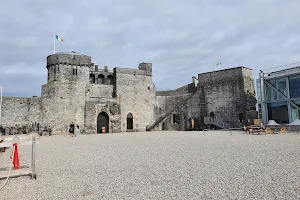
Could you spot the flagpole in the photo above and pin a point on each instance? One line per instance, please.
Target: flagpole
(54, 43)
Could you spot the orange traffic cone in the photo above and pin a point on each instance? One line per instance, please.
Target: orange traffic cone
(15, 157)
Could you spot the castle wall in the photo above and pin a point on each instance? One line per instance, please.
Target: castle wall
(136, 92)
(171, 98)
(168, 102)
(222, 93)
(248, 81)
(189, 88)
(20, 111)
(100, 90)
(78, 91)
(94, 108)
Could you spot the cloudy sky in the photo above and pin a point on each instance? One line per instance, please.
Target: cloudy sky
(180, 38)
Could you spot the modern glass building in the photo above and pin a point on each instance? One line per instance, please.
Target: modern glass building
(279, 94)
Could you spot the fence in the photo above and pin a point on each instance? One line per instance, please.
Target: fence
(25, 169)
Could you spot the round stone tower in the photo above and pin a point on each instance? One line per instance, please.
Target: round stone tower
(67, 67)
(64, 94)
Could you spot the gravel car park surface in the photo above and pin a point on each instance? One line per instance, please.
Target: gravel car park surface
(160, 165)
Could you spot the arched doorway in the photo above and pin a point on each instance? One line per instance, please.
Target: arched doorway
(129, 121)
(212, 115)
(102, 121)
(241, 117)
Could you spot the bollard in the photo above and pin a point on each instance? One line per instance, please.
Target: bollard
(33, 174)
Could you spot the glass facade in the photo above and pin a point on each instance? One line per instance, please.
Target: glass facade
(278, 112)
(294, 82)
(281, 86)
(279, 102)
(258, 97)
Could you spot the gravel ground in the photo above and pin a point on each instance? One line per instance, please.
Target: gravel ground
(161, 165)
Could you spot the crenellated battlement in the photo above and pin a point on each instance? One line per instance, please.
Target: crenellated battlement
(72, 58)
(146, 67)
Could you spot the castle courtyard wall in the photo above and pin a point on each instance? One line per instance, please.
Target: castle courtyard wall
(20, 111)
(72, 95)
(136, 92)
(221, 93)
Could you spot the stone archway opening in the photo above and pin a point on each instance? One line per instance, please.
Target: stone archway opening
(103, 123)
(212, 114)
(241, 117)
(129, 121)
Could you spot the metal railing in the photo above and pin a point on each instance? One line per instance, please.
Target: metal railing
(160, 119)
(282, 68)
(217, 122)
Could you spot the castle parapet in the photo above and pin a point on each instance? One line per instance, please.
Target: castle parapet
(146, 67)
(69, 59)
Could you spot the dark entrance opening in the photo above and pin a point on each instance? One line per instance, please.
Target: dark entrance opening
(241, 117)
(212, 115)
(102, 122)
(129, 121)
(71, 130)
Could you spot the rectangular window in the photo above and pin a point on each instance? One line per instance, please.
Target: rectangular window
(258, 95)
(281, 86)
(294, 86)
(295, 112)
(271, 94)
(278, 112)
(175, 118)
(74, 71)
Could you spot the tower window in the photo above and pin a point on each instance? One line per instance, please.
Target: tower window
(110, 79)
(92, 78)
(74, 71)
(175, 119)
(101, 79)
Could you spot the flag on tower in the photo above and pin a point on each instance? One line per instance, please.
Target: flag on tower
(218, 63)
(58, 38)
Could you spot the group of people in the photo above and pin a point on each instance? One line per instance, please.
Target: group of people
(74, 133)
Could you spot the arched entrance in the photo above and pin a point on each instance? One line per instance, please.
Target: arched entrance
(129, 121)
(212, 115)
(102, 121)
(241, 117)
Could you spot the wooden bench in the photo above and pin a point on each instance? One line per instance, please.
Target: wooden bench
(254, 129)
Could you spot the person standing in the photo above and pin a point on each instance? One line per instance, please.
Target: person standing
(71, 130)
(77, 131)
(49, 130)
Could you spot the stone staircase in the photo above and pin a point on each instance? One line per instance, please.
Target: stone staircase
(160, 119)
(219, 122)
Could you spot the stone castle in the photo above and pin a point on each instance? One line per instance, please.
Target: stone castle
(119, 100)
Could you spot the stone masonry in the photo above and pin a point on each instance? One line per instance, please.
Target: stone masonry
(122, 99)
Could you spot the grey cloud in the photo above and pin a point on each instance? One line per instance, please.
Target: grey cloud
(181, 38)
